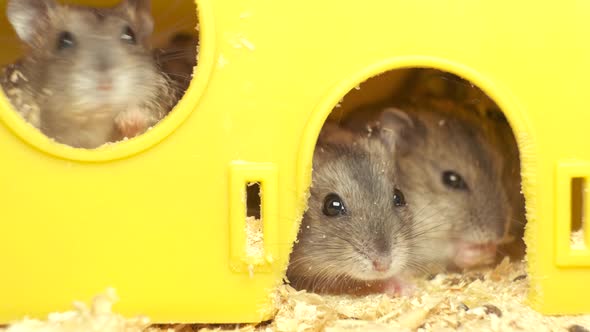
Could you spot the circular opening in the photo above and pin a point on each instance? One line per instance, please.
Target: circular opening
(102, 80)
(451, 161)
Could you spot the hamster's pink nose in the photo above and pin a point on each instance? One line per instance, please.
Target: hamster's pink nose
(381, 264)
(105, 84)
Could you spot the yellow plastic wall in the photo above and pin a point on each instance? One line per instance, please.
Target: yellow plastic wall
(159, 217)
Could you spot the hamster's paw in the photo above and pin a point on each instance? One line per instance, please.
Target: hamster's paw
(470, 255)
(132, 122)
(398, 287)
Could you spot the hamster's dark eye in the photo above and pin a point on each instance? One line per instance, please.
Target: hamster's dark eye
(65, 40)
(453, 180)
(333, 205)
(128, 35)
(398, 198)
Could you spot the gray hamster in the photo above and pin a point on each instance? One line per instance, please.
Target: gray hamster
(89, 76)
(358, 234)
(447, 91)
(449, 164)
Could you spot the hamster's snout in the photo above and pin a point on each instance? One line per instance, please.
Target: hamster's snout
(104, 83)
(380, 256)
(102, 64)
(382, 263)
(478, 237)
(478, 246)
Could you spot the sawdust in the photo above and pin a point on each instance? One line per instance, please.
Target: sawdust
(254, 242)
(484, 300)
(25, 106)
(254, 237)
(97, 317)
(577, 240)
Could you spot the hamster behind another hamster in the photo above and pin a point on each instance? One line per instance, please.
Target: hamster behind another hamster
(451, 169)
(446, 90)
(358, 233)
(89, 72)
(512, 181)
(179, 58)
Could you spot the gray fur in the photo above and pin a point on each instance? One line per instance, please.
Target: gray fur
(335, 253)
(63, 84)
(436, 142)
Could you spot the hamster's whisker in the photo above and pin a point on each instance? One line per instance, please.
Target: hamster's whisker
(518, 222)
(177, 56)
(179, 75)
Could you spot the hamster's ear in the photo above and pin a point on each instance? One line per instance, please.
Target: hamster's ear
(392, 122)
(141, 12)
(27, 17)
(334, 134)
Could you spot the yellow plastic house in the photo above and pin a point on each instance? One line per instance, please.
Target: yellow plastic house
(161, 218)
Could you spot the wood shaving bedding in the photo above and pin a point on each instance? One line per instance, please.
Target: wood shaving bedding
(97, 317)
(20, 99)
(577, 240)
(254, 237)
(484, 300)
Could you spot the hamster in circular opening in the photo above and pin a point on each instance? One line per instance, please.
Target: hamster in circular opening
(89, 76)
(358, 234)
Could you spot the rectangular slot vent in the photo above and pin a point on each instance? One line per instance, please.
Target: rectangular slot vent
(578, 195)
(254, 226)
(253, 200)
(571, 209)
(253, 217)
